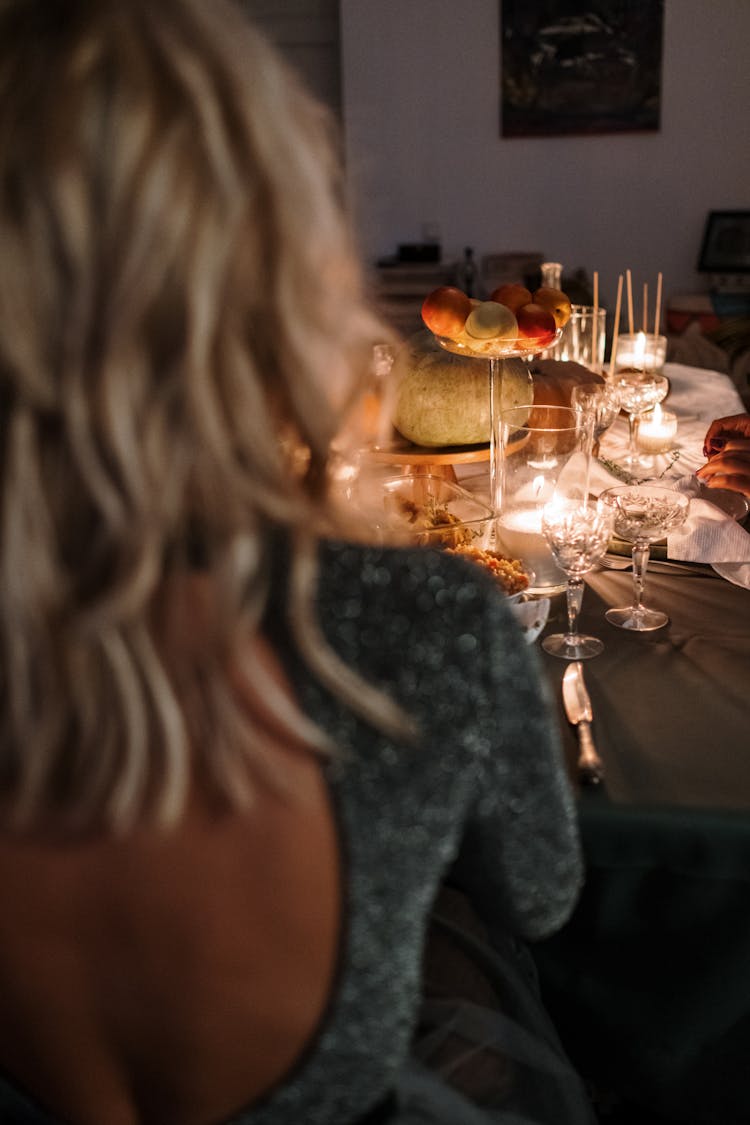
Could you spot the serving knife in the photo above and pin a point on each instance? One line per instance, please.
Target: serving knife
(578, 709)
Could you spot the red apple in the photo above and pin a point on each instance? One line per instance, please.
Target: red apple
(556, 302)
(536, 323)
(445, 310)
(513, 296)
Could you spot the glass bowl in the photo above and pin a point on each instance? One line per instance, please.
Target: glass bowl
(432, 511)
(521, 347)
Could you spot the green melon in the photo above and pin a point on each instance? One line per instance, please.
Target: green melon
(443, 399)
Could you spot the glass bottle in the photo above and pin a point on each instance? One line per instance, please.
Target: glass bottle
(467, 274)
(551, 274)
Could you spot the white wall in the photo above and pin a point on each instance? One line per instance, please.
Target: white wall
(421, 114)
(307, 33)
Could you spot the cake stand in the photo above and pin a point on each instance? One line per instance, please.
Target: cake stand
(437, 461)
(497, 353)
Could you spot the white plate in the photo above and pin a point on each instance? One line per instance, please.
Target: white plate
(733, 504)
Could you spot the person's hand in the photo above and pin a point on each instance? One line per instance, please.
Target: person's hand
(727, 447)
(730, 468)
(722, 430)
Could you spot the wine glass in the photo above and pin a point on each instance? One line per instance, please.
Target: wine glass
(578, 535)
(638, 391)
(598, 404)
(643, 514)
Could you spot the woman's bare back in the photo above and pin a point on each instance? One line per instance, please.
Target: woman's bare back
(170, 979)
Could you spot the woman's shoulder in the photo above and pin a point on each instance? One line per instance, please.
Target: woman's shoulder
(417, 615)
(425, 578)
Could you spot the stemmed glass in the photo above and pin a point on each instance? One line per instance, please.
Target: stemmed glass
(578, 535)
(598, 405)
(366, 427)
(638, 391)
(643, 514)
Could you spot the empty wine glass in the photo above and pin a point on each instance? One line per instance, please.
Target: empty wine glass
(599, 405)
(637, 392)
(578, 535)
(643, 514)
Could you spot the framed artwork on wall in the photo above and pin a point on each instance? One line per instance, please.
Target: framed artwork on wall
(726, 243)
(570, 68)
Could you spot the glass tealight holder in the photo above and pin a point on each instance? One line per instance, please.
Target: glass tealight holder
(583, 338)
(640, 351)
(656, 431)
(541, 460)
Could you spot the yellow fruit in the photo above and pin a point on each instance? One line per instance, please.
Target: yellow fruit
(556, 302)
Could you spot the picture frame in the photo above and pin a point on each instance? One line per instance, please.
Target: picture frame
(571, 68)
(726, 243)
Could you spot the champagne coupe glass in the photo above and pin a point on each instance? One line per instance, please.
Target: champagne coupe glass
(599, 405)
(638, 391)
(643, 514)
(578, 535)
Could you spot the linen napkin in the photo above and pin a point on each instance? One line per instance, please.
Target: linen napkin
(710, 535)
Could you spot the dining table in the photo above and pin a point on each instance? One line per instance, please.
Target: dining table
(649, 981)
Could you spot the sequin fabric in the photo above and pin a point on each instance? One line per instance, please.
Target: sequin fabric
(485, 780)
(485, 776)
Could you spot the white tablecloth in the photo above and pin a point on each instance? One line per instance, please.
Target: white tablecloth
(696, 396)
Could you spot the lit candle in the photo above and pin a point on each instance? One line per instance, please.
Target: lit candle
(641, 352)
(520, 535)
(656, 430)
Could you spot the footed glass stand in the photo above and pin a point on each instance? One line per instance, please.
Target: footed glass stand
(499, 353)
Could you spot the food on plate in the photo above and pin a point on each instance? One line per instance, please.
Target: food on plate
(507, 571)
(554, 301)
(441, 399)
(443, 528)
(536, 323)
(513, 295)
(445, 310)
(489, 320)
(511, 312)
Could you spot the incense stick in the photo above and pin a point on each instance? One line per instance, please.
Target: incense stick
(595, 326)
(645, 307)
(630, 301)
(657, 314)
(616, 329)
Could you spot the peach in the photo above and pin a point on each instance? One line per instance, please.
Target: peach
(445, 310)
(513, 296)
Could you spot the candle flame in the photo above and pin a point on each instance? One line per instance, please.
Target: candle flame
(656, 414)
(537, 485)
(639, 350)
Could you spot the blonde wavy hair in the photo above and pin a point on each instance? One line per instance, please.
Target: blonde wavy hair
(180, 307)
